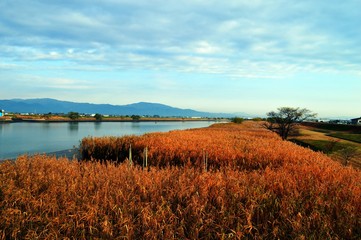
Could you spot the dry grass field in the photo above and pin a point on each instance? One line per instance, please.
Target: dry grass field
(227, 181)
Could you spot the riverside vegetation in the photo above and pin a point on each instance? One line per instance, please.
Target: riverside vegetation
(228, 181)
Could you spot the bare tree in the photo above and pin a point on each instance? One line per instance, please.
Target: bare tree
(285, 119)
(347, 154)
(330, 146)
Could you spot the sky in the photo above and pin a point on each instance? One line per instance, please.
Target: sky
(218, 56)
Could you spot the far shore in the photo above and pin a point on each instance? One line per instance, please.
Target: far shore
(63, 120)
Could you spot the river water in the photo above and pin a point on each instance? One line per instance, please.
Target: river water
(30, 138)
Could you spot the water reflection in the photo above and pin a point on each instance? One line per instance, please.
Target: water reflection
(97, 125)
(135, 125)
(73, 126)
(45, 125)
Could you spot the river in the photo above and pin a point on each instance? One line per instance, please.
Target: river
(30, 138)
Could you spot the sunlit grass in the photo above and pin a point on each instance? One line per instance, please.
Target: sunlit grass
(267, 189)
(347, 136)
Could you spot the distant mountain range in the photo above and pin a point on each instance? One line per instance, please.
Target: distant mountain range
(46, 105)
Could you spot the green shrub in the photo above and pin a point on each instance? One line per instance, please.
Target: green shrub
(237, 120)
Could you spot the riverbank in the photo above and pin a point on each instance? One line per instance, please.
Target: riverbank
(68, 153)
(341, 142)
(62, 120)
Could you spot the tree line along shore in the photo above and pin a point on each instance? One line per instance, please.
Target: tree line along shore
(76, 117)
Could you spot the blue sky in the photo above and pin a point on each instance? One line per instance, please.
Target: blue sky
(218, 56)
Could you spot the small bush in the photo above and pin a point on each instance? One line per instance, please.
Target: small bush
(237, 120)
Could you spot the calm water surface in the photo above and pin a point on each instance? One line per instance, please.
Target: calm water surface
(20, 138)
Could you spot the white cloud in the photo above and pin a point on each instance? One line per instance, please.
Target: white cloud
(10, 66)
(204, 47)
(45, 82)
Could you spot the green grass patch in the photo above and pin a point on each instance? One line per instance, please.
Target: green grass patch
(334, 127)
(347, 136)
(321, 145)
(321, 130)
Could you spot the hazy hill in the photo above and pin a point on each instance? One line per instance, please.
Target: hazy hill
(46, 105)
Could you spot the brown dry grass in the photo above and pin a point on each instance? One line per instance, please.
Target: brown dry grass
(305, 196)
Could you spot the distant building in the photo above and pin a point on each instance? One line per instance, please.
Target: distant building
(356, 120)
(2, 113)
(342, 121)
